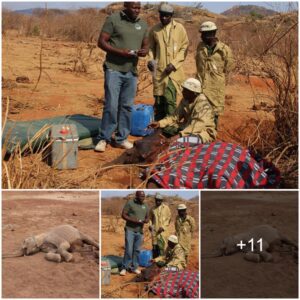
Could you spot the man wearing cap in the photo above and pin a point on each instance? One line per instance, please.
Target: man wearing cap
(214, 60)
(193, 117)
(160, 219)
(136, 214)
(124, 38)
(168, 44)
(185, 227)
(175, 255)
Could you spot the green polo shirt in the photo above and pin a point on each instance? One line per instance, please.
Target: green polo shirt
(138, 211)
(124, 34)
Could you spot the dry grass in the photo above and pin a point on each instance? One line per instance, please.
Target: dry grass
(81, 25)
(269, 49)
(18, 175)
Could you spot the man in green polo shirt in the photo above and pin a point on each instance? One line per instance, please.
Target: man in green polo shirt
(124, 38)
(136, 214)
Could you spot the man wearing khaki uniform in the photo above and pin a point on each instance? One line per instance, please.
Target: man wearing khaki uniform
(185, 227)
(168, 44)
(175, 255)
(160, 218)
(193, 117)
(214, 60)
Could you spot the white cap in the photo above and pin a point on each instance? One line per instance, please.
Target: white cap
(159, 196)
(173, 238)
(166, 8)
(181, 206)
(193, 85)
(208, 26)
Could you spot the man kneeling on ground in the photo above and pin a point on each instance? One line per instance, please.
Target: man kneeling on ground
(193, 117)
(175, 255)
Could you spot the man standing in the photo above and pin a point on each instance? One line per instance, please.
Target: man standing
(168, 43)
(185, 227)
(124, 39)
(136, 214)
(160, 217)
(193, 117)
(174, 257)
(214, 61)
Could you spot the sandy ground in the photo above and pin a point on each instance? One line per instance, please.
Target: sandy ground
(112, 243)
(225, 214)
(63, 90)
(27, 213)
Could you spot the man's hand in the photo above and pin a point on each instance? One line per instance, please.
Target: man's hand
(142, 52)
(174, 138)
(151, 65)
(129, 53)
(169, 69)
(153, 125)
(161, 264)
(160, 230)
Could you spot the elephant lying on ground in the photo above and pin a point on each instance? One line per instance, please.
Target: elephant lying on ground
(268, 237)
(56, 243)
(185, 164)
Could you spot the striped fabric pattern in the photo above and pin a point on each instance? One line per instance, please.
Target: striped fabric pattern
(217, 165)
(182, 284)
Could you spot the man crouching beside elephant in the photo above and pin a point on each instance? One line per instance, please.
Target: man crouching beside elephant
(175, 256)
(193, 117)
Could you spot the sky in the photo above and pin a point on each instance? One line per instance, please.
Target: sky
(185, 194)
(216, 6)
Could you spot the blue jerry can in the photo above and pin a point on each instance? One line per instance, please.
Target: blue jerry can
(141, 116)
(145, 257)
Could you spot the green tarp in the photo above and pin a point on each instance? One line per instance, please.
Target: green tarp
(21, 132)
(114, 261)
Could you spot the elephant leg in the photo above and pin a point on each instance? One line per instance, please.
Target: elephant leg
(250, 256)
(262, 251)
(51, 256)
(63, 251)
(266, 256)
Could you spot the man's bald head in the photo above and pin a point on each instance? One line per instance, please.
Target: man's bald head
(132, 9)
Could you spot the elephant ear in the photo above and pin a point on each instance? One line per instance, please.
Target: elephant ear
(29, 246)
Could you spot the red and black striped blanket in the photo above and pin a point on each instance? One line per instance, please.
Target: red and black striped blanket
(181, 284)
(217, 165)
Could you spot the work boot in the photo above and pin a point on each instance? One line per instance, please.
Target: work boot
(100, 147)
(124, 145)
(123, 272)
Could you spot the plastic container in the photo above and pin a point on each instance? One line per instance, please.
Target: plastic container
(145, 257)
(141, 116)
(64, 148)
(105, 273)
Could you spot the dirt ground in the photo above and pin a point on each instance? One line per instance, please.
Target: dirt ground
(225, 214)
(28, 213)
(64, 89)
(112, 243)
